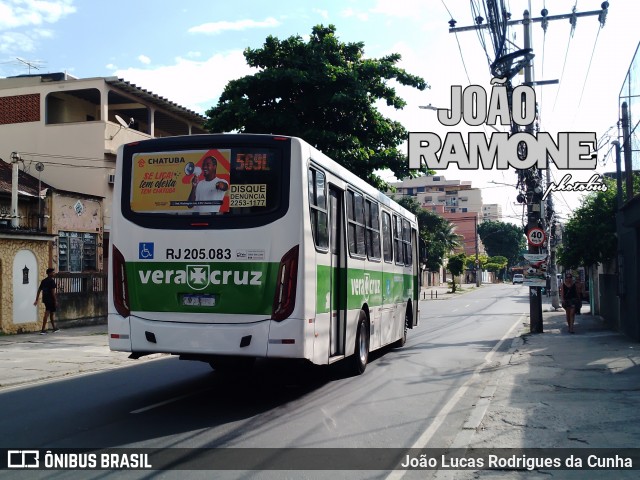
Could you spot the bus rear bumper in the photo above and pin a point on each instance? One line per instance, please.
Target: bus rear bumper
(265, 338)
(119, 333)
(197, 338)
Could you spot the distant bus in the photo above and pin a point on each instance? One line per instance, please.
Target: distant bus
(231, 247)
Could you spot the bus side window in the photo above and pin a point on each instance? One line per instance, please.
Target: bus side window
(387, 245)
(318, 208)
(406, 241)
(372, 224)
(355, 228)
(397, 240)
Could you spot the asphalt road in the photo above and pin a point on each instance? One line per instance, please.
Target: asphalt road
(416, 396)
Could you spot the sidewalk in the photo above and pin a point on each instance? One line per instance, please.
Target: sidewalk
(558, 390)
(443, 291)
(31, 357)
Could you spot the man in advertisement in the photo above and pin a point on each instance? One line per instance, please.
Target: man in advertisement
(210, 190)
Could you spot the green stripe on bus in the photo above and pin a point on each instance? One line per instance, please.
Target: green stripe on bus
(236, 287)
(362, 286)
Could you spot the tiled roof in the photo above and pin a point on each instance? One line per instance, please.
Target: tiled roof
(156, 99)
(26, 183)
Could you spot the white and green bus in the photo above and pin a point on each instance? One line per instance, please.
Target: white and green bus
(230, 247)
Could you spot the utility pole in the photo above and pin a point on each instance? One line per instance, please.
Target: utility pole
(531, 178)
(626, 147)
(478, 271)
(534, 198)
(15, 159)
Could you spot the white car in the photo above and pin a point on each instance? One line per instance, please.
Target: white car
(518, 278)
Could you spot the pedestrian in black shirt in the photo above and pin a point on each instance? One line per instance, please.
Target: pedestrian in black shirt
(48, 288)
(569, 295)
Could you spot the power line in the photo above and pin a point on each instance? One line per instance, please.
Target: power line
(458, 42)
(586, 77)
(66, 157)
(110, 165)
(573, 21)
(60, 164)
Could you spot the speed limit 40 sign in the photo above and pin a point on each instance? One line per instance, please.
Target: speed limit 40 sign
(536, 237)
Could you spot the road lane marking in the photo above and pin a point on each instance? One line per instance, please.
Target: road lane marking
(166, 402)
(439, 419)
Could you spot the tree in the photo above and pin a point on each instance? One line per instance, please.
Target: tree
(502, 239)
(496, 264)
(437, 234)
(325, 92)
(589, 237)
(456, 266)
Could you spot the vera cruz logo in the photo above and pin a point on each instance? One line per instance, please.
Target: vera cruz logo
(198, 276)
(240, 287)
(365, 286)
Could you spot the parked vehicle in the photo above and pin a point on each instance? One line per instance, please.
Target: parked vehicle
(518, 278)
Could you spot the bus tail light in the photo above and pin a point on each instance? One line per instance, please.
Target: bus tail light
(285, 297)
(120, 286)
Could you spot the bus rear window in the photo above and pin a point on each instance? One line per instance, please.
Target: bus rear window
(233, 181)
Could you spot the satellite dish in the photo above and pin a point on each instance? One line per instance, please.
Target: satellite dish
(121, 121)
(39, 166)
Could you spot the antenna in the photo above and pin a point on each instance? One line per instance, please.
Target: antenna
(30, 64)
(123, 124)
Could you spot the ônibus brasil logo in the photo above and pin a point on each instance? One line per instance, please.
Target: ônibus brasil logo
(199, 277)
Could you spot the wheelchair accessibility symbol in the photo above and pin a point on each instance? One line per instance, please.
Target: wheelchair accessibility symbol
(145, 250)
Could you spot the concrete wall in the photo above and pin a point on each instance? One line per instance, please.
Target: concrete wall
(9, 247)
(608, 285)
(76, 307)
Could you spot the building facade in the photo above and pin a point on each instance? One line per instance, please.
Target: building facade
(59, 137)
(455, 200)
(72, 128)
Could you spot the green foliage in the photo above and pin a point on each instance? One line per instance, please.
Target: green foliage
(496, 264)
(324, 91)
(437, 237)
(471, 261)
(502, 239)
(499, 260)
(456, 265)
(493, 267)
(589, 237)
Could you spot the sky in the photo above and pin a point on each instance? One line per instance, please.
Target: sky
(187, 51)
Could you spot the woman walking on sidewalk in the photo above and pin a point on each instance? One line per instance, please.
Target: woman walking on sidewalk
(569, 295)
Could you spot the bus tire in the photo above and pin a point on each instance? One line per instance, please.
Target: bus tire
(357, 363)
(407, 319)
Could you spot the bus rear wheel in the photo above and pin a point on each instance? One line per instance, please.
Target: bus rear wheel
(407, 318)
(357, 363)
